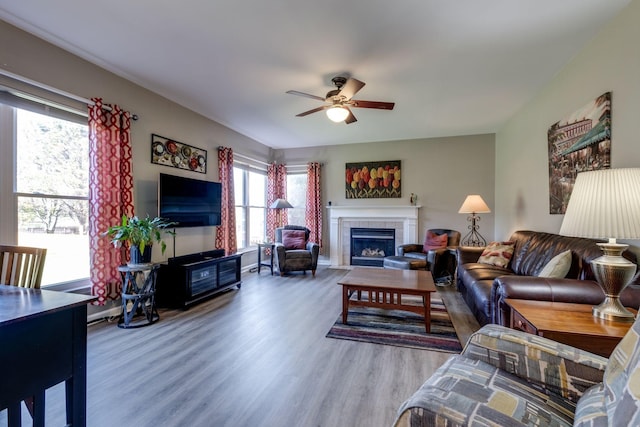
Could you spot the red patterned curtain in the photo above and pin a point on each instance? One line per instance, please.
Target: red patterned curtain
(110, 194)
(276, 189)
(226, 232)
(313, 218)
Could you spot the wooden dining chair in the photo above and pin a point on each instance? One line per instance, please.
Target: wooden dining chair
(21, 266)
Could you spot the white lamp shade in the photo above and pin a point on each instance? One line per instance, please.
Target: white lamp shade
(604, 204)
(280, 204)
(337, 114)
(474, 204)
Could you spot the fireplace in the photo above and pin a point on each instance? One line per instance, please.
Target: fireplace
(369, 246)
(403, 219)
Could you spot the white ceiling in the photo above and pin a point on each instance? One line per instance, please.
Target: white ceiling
(453, 67)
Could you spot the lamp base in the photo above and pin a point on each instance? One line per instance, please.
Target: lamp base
(613, 272)
(612, 309)
(473, 238)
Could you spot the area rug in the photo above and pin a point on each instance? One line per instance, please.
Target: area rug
(399, 328)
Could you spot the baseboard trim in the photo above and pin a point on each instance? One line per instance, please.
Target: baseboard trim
(111, 312)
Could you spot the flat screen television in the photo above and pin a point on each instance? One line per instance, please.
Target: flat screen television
(189, 202)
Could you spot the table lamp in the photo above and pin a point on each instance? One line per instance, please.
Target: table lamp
(473, 205)
(605, 204)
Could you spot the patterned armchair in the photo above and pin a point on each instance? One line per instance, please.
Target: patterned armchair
(505, 378)
(294, 252)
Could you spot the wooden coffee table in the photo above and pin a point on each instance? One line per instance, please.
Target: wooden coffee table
(385, 289)
(568, 323)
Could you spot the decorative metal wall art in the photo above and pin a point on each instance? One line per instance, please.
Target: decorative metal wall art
(369, 180)
(169, 152)
(579, 142)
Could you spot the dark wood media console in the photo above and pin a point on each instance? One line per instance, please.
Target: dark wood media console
(188, 279)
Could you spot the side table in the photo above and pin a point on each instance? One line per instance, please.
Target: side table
(261, 263)
(138, 295)
(568, 323)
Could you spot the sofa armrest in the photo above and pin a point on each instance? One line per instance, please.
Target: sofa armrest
(540, 289)
(468, 254)
(412, 247)
(554, 367)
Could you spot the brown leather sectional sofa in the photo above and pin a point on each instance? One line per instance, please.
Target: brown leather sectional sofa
(485, 287)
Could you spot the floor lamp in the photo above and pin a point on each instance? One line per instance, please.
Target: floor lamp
(473, 205)
(605, 204)
(279, 205)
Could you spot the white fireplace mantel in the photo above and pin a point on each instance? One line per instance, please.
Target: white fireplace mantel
(402, 218)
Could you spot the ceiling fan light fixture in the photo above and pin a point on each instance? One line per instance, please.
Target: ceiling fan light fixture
(337, 113)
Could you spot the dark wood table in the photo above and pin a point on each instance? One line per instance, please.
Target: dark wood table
(44, 342)
(385, 289)
(568, 323)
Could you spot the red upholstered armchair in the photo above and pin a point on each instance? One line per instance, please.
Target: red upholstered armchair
(294, 252)
(435, 250)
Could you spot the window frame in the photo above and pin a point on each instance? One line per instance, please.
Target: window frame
(303, 208)
(245, 203)
(10, 103)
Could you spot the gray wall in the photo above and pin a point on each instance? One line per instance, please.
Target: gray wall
(609, 62)
(440, 171)
(30, 57)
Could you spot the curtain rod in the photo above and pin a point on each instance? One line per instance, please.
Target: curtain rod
(263, 162)
(55, 90)
(250, 158)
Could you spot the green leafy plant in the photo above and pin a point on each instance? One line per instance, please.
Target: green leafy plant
(140, 232)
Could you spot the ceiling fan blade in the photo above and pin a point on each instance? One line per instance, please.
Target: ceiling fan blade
(350, 118)
(372, 104)
(350, 88)
(315, 110)
(307, 95)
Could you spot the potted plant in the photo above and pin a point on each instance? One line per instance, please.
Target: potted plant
(139, 233)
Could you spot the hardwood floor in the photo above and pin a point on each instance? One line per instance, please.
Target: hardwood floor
(251, 357)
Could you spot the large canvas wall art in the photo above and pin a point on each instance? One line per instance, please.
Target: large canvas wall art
(579, 142)
(369, 180)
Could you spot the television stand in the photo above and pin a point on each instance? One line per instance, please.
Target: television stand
(189, 279)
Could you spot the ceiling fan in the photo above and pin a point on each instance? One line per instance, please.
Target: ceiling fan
(339, 100)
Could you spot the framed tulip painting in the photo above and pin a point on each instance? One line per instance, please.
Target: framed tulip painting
(370, 180)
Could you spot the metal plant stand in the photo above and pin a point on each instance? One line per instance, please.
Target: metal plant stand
(138, 295)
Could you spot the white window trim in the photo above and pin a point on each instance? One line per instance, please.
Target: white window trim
(9, 211)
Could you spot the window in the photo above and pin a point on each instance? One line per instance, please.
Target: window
(49, 183)
(297, 196)
(250, 189)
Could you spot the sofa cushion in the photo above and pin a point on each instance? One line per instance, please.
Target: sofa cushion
(293, 239)
(435, 241)
(591, 410)
(622, 380)
(535, 249)
(558, 266)
(497, 253)
(464, 391)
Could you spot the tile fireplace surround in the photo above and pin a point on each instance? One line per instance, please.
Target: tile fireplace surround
(404, 219)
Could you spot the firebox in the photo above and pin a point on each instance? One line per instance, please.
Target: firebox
(369, 246)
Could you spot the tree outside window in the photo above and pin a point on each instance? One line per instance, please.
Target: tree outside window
(52, 188)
